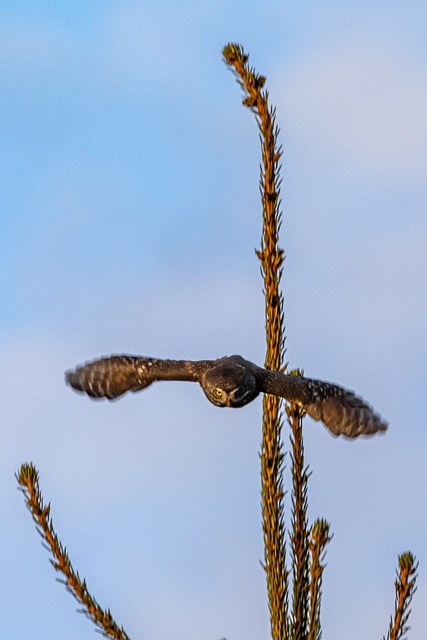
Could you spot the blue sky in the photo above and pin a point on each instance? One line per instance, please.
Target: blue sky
(128, 221)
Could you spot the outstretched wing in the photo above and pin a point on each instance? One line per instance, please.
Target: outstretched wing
(111, 377)
(343, 412)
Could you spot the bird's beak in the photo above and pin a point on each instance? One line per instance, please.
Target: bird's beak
(228, 402)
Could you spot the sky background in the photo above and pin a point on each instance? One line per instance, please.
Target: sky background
(129, 216)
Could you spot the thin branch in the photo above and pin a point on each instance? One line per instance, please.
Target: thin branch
(271, 257)
(28, 479)
(319, 539)
(300, 532)
(405, 588)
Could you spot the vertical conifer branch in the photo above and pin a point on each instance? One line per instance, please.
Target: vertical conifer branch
(299, 533)
(28, 479)
(271, 257)
(319, 539)
(405, 588)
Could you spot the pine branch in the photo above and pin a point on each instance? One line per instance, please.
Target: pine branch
(405, 588)
(271, 257)
(300, 533)
(319, 539)
(28, 479)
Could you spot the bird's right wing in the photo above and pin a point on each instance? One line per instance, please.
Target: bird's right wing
(113, 376)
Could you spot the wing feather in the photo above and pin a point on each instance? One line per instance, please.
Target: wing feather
(341, 411)
(113, 376)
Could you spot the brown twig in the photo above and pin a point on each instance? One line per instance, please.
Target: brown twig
(319, 539)
(28, 479)
(405, 589)
(300, 533)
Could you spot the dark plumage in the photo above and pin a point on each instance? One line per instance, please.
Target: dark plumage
(232, 382)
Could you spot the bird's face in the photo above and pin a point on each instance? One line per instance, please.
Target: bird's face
(229, 385)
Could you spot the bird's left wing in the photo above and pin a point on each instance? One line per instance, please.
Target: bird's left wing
(340, 410)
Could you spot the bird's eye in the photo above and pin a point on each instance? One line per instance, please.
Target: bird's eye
(218, 393)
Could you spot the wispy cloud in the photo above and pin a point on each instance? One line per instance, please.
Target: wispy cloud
(368, 104)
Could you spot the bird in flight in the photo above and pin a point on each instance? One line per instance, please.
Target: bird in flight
(231, 381)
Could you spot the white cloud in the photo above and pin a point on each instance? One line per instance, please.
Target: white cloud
(369, 105)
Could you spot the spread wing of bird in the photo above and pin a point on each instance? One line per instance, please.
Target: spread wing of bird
(340, 410)
(113, 376)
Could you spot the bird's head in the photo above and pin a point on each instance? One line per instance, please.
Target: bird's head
(229, 385)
